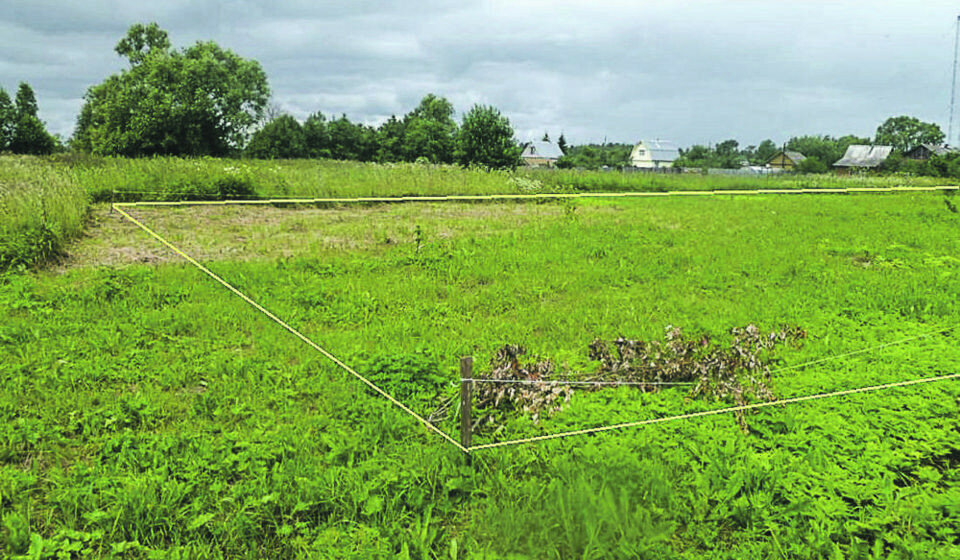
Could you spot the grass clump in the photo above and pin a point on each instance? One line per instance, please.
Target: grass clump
(41, 208)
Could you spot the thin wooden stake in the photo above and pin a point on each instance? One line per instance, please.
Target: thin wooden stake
(466, 398)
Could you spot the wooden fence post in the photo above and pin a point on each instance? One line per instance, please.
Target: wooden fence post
(466, 398)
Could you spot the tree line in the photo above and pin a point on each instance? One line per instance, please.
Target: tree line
(428, 134)
(204, 100)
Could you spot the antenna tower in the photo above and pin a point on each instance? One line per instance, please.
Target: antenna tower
(953, 88)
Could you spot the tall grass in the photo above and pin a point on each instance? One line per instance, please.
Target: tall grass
(166, 178)
(551, 179)
(41, 207)
(44, 199)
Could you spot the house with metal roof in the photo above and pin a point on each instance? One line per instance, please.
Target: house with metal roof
(785, 160)
(861, 156)
(926, 151)
(654, 154)
(540, 154)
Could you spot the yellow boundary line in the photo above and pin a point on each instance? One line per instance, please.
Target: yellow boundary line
(468, 198)
(292, 330)
(118, 206)
(713, 412)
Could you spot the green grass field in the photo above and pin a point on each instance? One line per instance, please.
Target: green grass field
(43, 200)
(147, 412)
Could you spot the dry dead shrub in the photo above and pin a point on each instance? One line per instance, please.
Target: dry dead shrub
(531, 398)
(739, 372)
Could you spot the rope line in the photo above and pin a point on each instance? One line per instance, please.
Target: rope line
(778, 370)
(713, 412)
(293, 331)
(430, 198)
(562, 382)
(118, 206)
(864, 350)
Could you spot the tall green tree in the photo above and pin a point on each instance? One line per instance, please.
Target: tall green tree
(390, 140)
(765, 150)
(26, 101)
(905, 133)
(29, 136)
(200, 100)
(728, 154)
(430, 131)
(486, 138)
(8, 120)
(281, 138)
(352, 141)
(562, 144)
(316, 136)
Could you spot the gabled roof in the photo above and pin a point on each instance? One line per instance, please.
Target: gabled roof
(795, 157)
(546, 150)
(660, 150)
(939, 149)
(860, 155)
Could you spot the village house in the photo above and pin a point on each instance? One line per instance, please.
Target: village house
(860, 156)
(540, 154)
(785, 160)
(925, 151)
(654, 154)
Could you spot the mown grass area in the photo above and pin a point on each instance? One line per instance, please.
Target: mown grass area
(147, 412)
(67, 182)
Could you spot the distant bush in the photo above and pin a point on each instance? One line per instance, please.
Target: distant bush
(915, 167)
(812, 165)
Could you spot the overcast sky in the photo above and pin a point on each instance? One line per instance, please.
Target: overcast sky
(688, 71)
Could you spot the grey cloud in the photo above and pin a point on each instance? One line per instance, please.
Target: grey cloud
(692, 71)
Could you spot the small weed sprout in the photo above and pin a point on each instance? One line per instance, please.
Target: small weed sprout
(418, 238)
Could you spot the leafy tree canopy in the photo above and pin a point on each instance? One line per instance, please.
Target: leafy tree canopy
(812, 164)
(31, 137)
(766, 150)
(200, 100)
(594, 156)
(430, 131)
(390, 137)
(726, 155)
(21, 130)
(141, 41)
(352, 141)
(26, 101)
(905, 133)
(316, 136)
(8, 120)
(825, 148)
(486, 138)
(281, 138)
